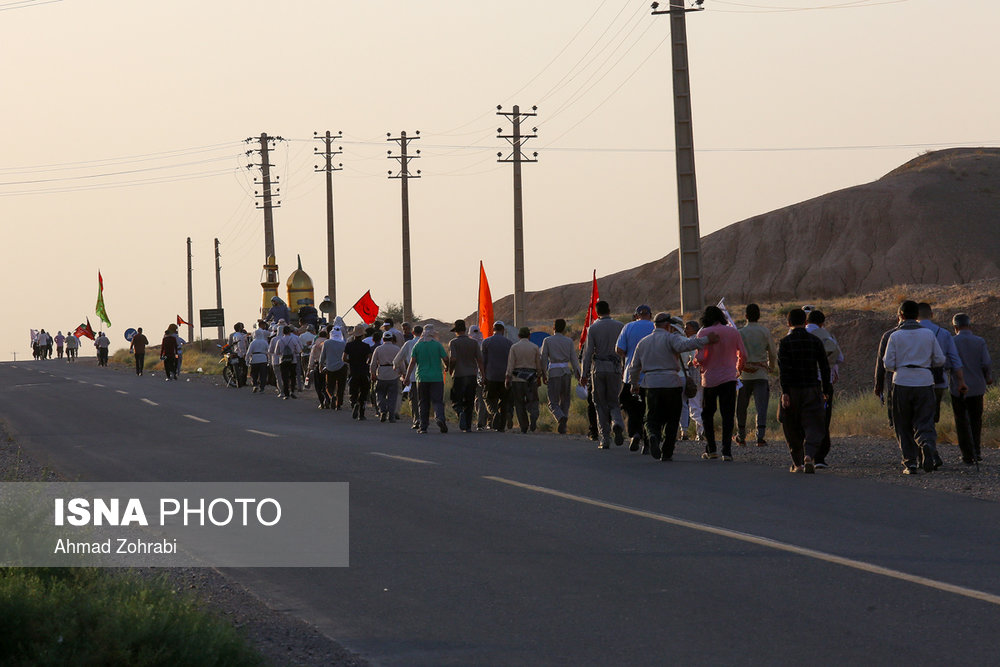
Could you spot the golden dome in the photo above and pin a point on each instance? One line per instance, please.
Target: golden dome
(300, 288)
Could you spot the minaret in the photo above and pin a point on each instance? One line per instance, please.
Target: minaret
(269, 284)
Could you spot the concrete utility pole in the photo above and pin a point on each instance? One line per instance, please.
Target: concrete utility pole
(190, 313)
(517, 157)
(689, 250)
(328, 153)
(218, 288)
(404, 175)
(269, 284)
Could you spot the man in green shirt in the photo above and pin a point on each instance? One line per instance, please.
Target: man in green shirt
(429, 360)
(761, 357)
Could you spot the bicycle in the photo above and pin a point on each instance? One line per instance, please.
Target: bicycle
(234, 372)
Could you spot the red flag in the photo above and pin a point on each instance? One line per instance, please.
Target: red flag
(366, 308)
(84, 331)
(591, 311)
(180, 321)
(485, 303)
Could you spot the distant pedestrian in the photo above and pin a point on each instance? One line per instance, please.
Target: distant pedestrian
(289, 349)
(60, 340)
(257, 359)
(385, 377)
(465, 364)
(400, 364)
(482, 414)
(524, 373)
(332, 362)
(657, 365)
(427, 364)
(602, 370)
(138, 347)
(720, 367)
(317, 378)
(279, 312)
(816, 325)
(358, 355)
(168, 352)
(72, 345)
(804, 374)
(911, 352)
(102, 343)
(634, 403)
(761, 360)
(977, 374)
(496, 351)
(561, 368)
(691, 410)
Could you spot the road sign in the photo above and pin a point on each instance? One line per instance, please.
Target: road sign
(212, 317)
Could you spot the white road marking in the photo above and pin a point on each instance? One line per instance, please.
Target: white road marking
(763, 541)
(99, 385)
(197, 419)
(270, 435)
(404, 458)
(122, 392)
(148, 402)
(83, 382)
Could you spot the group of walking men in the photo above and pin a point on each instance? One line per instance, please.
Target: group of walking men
(918, 362)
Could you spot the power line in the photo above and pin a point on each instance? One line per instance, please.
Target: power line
(125, 159)
(26, 4)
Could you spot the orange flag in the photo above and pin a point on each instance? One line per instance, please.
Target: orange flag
(485, 303)
(591, 311)
(180, 321)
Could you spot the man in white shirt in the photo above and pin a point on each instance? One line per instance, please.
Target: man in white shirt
(910, 354)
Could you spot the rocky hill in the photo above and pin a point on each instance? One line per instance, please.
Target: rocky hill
(931, 221)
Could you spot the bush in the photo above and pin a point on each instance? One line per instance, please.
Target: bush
(86, 616)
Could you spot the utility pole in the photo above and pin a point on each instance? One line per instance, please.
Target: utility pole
(328, 153)
(190, 313)
(269, 284)
(689, 248)
(517, 158)
(404, 176)
(218, 288)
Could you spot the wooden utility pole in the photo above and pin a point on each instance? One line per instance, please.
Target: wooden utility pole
(329, 168)
(190, 313)
(689, 249)
(404, 176)
(218, 288)
(269, 284)
(517, 158)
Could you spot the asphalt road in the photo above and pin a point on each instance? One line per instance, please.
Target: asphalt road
(509, 549)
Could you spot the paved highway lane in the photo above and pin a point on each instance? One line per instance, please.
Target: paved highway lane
(492, 549)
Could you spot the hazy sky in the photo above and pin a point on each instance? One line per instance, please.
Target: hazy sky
(124, 124)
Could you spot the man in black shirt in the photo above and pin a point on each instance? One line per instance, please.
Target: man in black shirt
(804, 374)
(358, 355)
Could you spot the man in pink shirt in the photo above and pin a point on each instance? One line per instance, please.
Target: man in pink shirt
(720, 367)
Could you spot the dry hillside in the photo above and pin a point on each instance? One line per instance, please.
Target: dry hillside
(931, 221)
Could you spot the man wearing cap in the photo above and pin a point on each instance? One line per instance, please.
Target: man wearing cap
(496, 350)
(561, 366)
(400, 363)
(602, 370)
(387, 325)
(465, 361)
(385, 377)
(977, 374)
(633, 403)
(657, 366)
(524, 369)
(427, 363)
